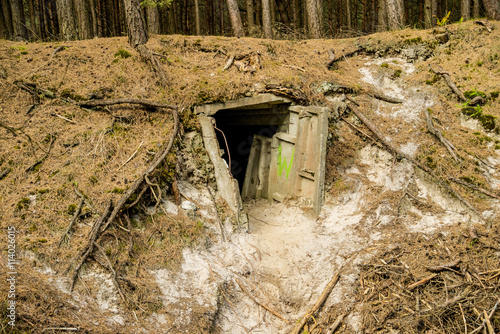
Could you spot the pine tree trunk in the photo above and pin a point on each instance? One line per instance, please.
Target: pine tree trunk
(197, 17)
(465, 9)
(266, 19)
(492, 8)
(83, 19)
(234, 15)
(153, 19)
(428, 14)
(18, 21)
(66, 18)
(348, 16)
(382, 15)
(250, 13)
(282, 8)
(33, 26)
(313, 19)
(7, 18)
(395, 14)
(137, 34)
(475, 9)
(258, 13)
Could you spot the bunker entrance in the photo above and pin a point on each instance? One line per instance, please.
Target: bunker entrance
(264, 146)
(236, 129)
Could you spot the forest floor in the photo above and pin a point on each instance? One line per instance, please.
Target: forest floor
(385, 225)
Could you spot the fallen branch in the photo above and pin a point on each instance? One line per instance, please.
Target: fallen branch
(5, 172)
(485, 24)
(295, 68)
(474, 187)
(346, 55)
(58, 49)
(317, 305)
(421, 282)
(385, 98)
(8, 128)
(336, 324)
(439, 70)
(73, 220)
(443, 267)
(399, 153)
(62, 117)
(32, 167)
(439, 136)
(260, 303)
(484, 321)
(133, 155)
(331, 55)
(145, 103)
(230, 62)
(90, 245)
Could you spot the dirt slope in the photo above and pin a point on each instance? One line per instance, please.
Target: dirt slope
(52, 147)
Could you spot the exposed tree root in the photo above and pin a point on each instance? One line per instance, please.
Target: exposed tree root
(154, 62)
(87, 251)
(474, 187)
(385, 98)
(8, 128)
(336, 324)
(317, 305)
(439, 70)
(260, 303)
(446, 143)
(400, 154)
(146, 103)
(73, 220)
(40, 161)
(5, 172)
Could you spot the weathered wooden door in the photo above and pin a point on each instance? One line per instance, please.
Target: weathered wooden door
(256, 182)
(298, 157)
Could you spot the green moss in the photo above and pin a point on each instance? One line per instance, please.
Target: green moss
(479, 63)
(23, 204)
(32, 228)
(42, 240)
(71, 209)
(497, 147)
(43, 191)
(470, 94)
(433, 80)
(413, 41)
(93, 180)
(397, 73)
(494, 95)
(70, 94)
(429, 161)
(117, 191)
(123, 54)
(384, 65)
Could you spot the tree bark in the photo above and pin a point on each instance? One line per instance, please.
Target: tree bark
(153, 17)
(7, 18)
(348, 15)
(18, 21)
(428, 14)
(283, 10)
(313, 19)
(94, 18)
(137, 34)
(395, 14)
(266, 19)
(234, 15)
(82, 15)
(250, 13)
(197, 17)
(475, 9)
(492, 8)
(465, 9)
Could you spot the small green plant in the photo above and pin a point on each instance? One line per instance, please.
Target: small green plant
(384, 65)
(397, 73)
(443, 21)
(123, 54)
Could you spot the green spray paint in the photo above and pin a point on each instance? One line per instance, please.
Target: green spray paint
(282, 163)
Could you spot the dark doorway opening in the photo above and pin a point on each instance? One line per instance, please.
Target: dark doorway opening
(239, 128)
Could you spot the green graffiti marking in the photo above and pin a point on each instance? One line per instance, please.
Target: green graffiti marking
(282, 163)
